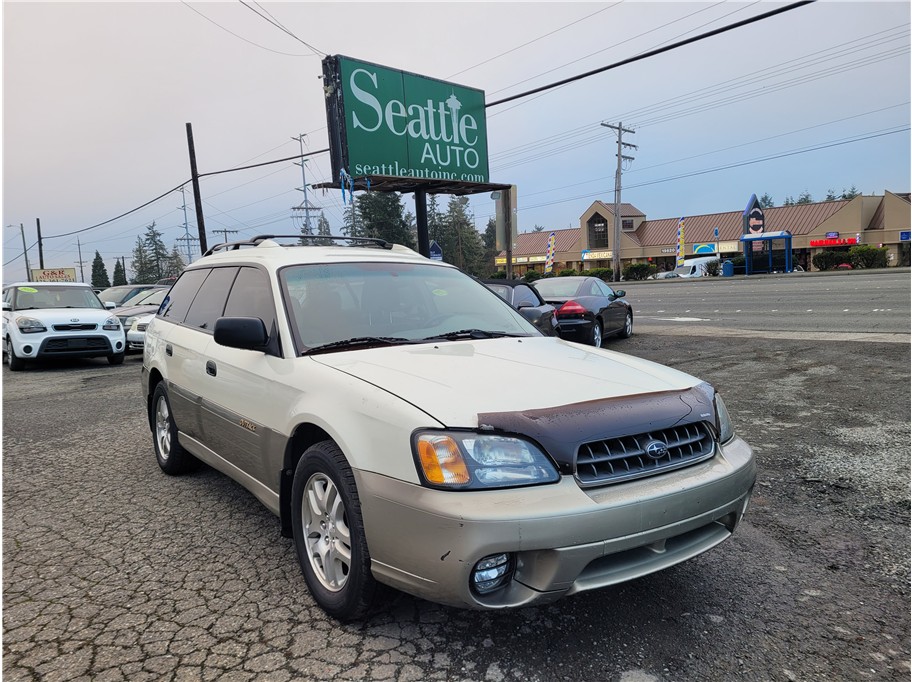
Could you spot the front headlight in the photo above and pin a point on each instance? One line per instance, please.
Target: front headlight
(112, 324)
(723, 421)
(455, 460)
(29, 325)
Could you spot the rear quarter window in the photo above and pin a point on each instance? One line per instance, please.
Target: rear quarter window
(178, 300)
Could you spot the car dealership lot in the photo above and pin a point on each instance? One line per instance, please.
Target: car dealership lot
(114, 571)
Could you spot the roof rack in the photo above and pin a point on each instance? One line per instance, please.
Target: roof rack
(256, 241)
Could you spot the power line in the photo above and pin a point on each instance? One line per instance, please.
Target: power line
(653, 53)
(497, 56)
(283, 29)
(287, 54)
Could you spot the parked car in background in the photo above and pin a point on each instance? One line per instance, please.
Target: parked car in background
(527, 301)
(409, 429)
(136, 333)
(671, 274)
(587, 308)
(148, 303)
(58, 319)
(117, 295)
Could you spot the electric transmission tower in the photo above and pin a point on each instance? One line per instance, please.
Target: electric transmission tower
(306, 206)
(189, 242)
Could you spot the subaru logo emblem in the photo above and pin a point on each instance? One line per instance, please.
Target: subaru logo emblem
(656, 449)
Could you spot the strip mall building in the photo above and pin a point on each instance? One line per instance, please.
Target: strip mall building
(874, 220)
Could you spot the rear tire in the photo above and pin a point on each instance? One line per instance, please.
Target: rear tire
(16, 364)
(595, 337)
(627, 330)
(329, 533)
(116, 359)
(171, 456)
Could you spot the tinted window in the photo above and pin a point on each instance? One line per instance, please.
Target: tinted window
(178, 300)
(250, 297)
(605, 289)
(524, 294)
(209, 304)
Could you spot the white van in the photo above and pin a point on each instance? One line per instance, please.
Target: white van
(695, 267)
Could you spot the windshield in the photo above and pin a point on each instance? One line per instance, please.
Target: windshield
(147, 297)
(118, 294)
(398, 302)
(42, 297)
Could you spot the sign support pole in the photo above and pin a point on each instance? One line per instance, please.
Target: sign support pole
(421, 224)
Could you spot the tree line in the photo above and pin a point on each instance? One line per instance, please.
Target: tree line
(151, 262)
(766, 201)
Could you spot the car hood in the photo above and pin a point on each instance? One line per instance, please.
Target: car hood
(456, 381)
(132, 311)
(65, 315)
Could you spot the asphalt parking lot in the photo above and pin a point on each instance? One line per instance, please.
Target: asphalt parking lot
(114, 571)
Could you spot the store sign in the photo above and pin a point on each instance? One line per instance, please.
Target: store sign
(905, 236)
(729, 247)
(832, 235)
(538, 259)
(669, 249)
(753, 221)
(704, 248)
(521, 259)
(834, 242)
(53, 275)
(596, 255)
(384, 121)
(500, 261)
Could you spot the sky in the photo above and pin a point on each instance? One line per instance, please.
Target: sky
(96, 98)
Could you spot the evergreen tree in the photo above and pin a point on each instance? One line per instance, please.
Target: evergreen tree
(766, 201)
(157, 252)
(805, 198)
(830, 195)
(789, 201)
(174, 265)
(538, 228)
(489, 239)
(120, 276)
(462, 241)
(323, 229)
(381, 215)
(850, 193)
(350, 222)
(99, 273)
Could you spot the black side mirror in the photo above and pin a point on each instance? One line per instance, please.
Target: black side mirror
(620, 293)
(248, 333)
(524, 304)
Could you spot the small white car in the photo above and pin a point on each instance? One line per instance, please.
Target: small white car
(136, 334)
(409, 427)
(58, 319)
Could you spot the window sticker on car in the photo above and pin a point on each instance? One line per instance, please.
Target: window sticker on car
(439, 292)
(28, 290)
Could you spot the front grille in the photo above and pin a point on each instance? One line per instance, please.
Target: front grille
(141, 327)
(72, 344)
(75, 327)
(625, 458)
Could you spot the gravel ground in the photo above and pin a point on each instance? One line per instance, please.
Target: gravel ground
(113, 571)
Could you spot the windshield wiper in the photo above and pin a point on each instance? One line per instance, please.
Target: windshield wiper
(358, 342)
(470, 334)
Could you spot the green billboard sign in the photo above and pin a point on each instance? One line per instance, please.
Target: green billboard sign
(385, 122)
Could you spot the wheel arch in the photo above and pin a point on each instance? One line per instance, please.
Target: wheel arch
(303, 436)
(155, 378)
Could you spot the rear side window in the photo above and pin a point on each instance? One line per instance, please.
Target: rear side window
(209, 304)
(251, 297)
(178, 300)
(524, 294)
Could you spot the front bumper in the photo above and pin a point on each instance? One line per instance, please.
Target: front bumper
(75, 345)
(136, 340)
(563, 539)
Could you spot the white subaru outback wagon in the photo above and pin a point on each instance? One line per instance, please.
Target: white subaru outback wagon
(409, 428)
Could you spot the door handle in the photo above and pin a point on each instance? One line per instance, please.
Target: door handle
(210, 368)
(168, 349)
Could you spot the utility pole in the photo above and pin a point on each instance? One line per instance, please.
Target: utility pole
(82, 277)
(28, 269)
(224, 232)
(306, 207)
(616, 250)
(197, 199)
(40, 247)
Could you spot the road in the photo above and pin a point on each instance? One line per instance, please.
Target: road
(114, 571)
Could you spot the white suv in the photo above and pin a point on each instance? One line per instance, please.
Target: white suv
(410, 428)
(58, 319)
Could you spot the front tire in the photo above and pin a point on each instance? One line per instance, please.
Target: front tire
(329, 533)
(116, 359)
(171, 456)
(16, 364)
(595, 336)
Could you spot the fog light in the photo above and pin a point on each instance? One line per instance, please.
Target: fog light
(491, 573)
(27, 350)
(118, 345)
